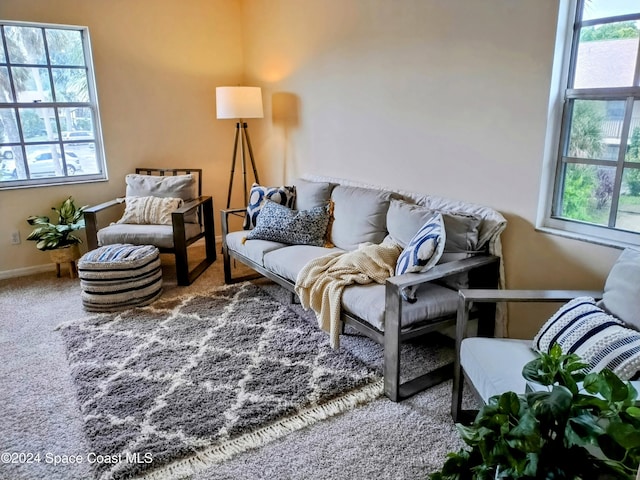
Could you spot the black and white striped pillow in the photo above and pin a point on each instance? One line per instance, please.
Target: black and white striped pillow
(601, 340)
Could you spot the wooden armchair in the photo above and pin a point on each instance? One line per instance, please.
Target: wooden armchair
(189, 223)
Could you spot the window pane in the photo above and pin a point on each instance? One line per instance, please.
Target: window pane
(32, 84)
(587, 191)
(49, 161)
(8, 126)
(5, 93)
(633, 150)
(595, 129)
(76, 122)
(65, 47)
(628, 217)
(25, 45)
(38, 124)
(608, 8)
(607, 55)
(11, 165)
(70, 84)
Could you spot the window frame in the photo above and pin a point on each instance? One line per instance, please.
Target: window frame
(559, 115)
(61, 143)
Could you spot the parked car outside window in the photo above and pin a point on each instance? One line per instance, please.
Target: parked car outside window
(41, 165)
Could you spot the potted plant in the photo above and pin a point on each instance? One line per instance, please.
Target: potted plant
(576, 426)
(59, 238)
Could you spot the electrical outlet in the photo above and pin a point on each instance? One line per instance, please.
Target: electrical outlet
(15, 237)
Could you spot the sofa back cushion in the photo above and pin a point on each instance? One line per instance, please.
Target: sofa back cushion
(359, 216)
(622, 288)
(312, 194)
(404, 219)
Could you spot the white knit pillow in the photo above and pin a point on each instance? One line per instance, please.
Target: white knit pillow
(149, 210)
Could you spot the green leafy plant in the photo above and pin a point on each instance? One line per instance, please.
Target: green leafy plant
(578, 426)
(51, 236)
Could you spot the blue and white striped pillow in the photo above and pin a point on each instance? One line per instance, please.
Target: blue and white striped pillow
(425, 248)
(601, 340)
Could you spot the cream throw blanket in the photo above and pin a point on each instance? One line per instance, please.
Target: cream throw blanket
(321, 282)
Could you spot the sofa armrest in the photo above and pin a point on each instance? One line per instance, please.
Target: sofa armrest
(224, 219)
(403, 283)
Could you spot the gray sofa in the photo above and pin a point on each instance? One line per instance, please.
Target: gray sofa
(491, 366)
(406, 306)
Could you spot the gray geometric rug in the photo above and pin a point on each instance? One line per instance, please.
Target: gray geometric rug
(184, 383)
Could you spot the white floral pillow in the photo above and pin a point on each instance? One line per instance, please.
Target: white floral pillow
(149, 210)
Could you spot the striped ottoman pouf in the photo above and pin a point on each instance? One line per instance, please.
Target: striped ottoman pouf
(119, 276)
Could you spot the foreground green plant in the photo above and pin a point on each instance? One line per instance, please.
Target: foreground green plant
(51, 236)
(579, 427)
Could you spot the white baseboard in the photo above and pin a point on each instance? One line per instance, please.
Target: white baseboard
(50, 267)
(22, 272)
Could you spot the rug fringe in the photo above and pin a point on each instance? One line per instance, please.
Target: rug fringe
(214, 455)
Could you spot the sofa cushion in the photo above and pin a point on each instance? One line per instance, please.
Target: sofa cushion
(288, 261)
(312, 194)
(149, 210)
(601, 340)
(425, 249)
(622, 288)
(160, 236)
(175, 186)
(284, 195)
(404, 219)
(297, 227)
(368, 303)
(254, 250)
(359, 216)
(494, 365)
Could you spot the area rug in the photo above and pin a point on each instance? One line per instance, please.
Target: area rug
(188, 382)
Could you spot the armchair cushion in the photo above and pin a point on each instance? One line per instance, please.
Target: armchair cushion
(581, 327)
(622, 288)
(296, 227)
(284, 195)
(159, 235)
(149, 210)
(170, 186)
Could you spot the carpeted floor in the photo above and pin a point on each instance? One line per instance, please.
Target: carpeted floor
(41, 414)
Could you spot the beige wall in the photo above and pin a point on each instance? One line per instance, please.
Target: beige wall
(445, 97)
(157, 64)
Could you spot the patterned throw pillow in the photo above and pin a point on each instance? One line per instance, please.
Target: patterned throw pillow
(425, 249)
(601, 340)
(296, 227)
(285, 195)
(149, 210)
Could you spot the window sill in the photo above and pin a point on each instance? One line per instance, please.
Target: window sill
(617, 239)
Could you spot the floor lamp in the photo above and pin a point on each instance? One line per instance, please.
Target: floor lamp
(240, 103)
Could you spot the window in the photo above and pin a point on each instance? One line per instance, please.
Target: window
(49, 122)
(592, 187)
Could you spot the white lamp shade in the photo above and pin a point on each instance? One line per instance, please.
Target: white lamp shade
(239, 102)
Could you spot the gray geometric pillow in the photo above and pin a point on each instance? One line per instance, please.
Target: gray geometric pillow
(278, 223)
